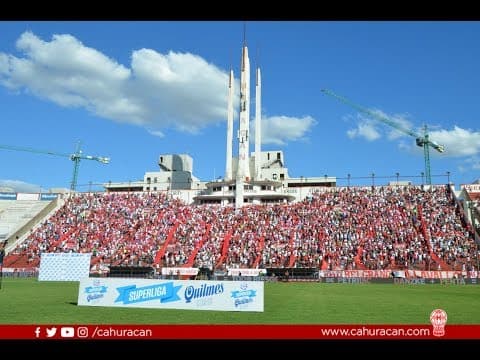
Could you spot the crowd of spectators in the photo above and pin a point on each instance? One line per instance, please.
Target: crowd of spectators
(382, 227)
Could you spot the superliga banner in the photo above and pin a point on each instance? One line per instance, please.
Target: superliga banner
(172, 294)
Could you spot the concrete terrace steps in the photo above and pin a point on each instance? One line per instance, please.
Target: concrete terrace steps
(16, 213)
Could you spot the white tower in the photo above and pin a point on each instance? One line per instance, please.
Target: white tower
(244, 127)
(243, 170)
(258, 125)
(228, 168)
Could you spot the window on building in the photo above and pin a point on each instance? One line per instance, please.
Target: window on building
(278, 156)
(274, 176)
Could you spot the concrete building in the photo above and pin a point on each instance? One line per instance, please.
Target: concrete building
(250, 178)
(176, 173)
(259, 177)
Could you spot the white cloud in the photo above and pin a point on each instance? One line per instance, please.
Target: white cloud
(458, 142)
(18, 186)
(158, 91)
(178, 90)
(157, 133)
(279, 130)
(373, 128)
(366, 129)
(401, 121)
(476, 164)
(469, 164)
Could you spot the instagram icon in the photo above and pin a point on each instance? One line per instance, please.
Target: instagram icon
(82, 332)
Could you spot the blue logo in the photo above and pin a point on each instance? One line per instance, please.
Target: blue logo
(203, 290)
(164, 292)
(96, 291)
(243, 296)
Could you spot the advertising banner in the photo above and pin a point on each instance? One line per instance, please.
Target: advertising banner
(48, 197)
(64, 266)
(371, 274)
(246, 272)
(28, 196)
(179, 271)
(8, 196)
(172, 294)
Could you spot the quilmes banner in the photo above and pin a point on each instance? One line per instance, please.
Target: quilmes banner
(172, 294)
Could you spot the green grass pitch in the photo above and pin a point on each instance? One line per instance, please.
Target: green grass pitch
(29, 301)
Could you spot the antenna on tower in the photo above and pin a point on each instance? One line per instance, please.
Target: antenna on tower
(258, 57)
(257, 65)
(244, 33)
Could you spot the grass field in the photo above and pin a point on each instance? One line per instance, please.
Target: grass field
(28, 301)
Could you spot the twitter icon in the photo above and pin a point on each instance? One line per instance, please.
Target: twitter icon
(51, 332)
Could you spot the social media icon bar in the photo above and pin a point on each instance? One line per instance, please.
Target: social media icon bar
(67, 332)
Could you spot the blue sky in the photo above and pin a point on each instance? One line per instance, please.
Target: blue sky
(134, 90)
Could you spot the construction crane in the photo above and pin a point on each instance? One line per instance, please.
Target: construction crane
(421, 140)
(75, 157)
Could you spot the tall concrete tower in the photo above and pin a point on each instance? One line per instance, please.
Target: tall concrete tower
(228, 167)
(258, 125)
(243, 170)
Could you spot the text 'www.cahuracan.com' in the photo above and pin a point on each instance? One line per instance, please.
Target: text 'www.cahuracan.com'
(375, 332)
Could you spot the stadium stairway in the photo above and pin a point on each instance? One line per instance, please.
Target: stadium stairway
(261, 245)
(95, 260)
(10, 260)
(291, 260)
(21, 261)
(161, 253)
(357, 259)
(226, 244)
(324, 265)
(198, 246)
(61, 239)
(428, 239)
(358, 263)
(443, 264)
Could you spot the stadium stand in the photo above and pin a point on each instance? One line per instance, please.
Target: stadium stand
(376, 228)
(16, 213)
